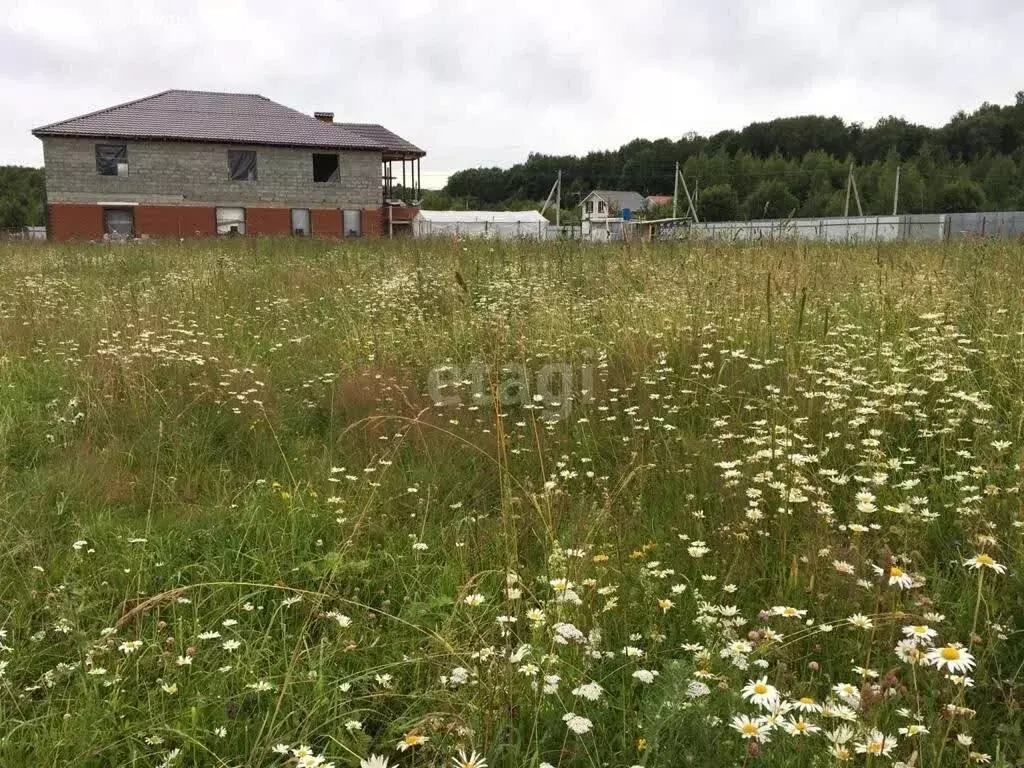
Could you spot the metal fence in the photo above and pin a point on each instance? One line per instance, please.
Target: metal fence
(995, 224)
(23, 233)
(837, 229)
(927, 226)
(564, 231)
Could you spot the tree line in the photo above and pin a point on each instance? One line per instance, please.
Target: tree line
(787, 166)
(22, 197)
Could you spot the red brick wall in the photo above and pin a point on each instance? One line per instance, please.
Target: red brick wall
(71, 221)
(403, 213)
(175, 221)
(373, 222)
(268, 221)
(326, 223)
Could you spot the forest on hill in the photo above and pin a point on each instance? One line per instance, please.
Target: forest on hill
(773, 169)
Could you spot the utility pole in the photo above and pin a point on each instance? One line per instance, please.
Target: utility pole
(849, 183)
(556, 193)
(675, 192)
(689, 200)
(896, 193)
(856, 194)
(558, 200)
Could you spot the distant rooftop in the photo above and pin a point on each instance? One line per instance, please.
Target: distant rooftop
(233, 118)
(634, 201)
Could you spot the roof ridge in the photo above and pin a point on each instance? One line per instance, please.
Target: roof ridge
(213, 93)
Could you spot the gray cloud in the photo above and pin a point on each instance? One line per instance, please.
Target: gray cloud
(484, 83)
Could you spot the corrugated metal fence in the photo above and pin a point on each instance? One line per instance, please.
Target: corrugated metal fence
(999, 224)
(1009, 224)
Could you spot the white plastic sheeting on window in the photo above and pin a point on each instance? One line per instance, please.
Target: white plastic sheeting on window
(118, 222)
(352, 224)
(231, 221)
(300, 221)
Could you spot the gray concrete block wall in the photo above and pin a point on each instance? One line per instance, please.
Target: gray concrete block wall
(183, 173)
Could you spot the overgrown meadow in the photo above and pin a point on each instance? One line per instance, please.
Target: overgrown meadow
(295, 503)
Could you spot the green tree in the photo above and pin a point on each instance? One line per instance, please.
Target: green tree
(817, 200)
(718, 203)
(912, 190)
(962, 197)
(836, 204)
(435, 200)
(22, 196)
(659, 211)
(999, 183)
(13, 214)
(771, 200)
(485, 184)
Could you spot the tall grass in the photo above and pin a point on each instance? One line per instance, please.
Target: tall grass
(260, 495)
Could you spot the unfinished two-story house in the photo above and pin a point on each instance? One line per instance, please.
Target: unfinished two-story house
(194, 163)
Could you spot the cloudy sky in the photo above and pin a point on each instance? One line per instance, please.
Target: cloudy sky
(484, 83)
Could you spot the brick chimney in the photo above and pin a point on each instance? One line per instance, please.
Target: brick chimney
(327, 117)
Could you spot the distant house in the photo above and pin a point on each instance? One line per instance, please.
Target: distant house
(658, 200)
(187, 163)
(603, 209)
(605, 204)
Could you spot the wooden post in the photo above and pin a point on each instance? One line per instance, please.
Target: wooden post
(558, 201)
(856, 196)
(856, 193)
(556, 188)
(689, 200)
(849, 184)
(896, 193)
(675, 192)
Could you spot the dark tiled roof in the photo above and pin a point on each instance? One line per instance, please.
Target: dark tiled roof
(236, 118)
(392, 143)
